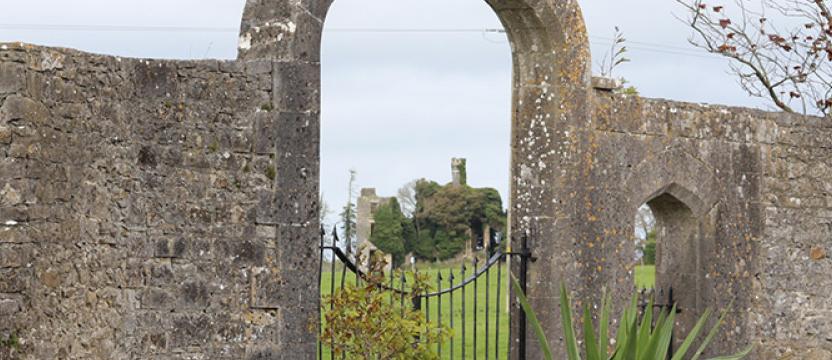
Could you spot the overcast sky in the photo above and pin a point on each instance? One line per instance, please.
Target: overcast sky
(396, 106)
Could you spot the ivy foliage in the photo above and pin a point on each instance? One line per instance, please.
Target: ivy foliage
(446, 216)
(443, 222)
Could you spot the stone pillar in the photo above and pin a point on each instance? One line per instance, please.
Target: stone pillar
(285, 36)
(550, 128)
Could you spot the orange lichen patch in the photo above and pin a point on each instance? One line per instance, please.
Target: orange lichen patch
(817, 253)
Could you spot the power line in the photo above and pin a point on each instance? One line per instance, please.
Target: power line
(114, 28)
(682, 52)
(635, 45)
(658, 45)
(414, 30)
(143, 28)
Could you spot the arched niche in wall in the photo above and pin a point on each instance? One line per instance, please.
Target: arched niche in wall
(677, 258)
(684, 202)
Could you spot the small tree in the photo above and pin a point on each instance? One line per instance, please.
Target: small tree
(650, 249)
(616, 56)
(645, 232)
(348, 225)
(323, 209)
(786, 58)
(407, 198)
(388, 234)
(361, 323)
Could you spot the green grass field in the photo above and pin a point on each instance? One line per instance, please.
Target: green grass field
(644, 278)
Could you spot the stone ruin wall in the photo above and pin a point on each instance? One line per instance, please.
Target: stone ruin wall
(162, 209)
(769, 178)
(139, 212)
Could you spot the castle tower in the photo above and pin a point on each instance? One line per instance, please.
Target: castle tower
(459, 173)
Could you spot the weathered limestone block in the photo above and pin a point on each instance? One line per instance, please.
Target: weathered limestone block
(155, 79)
(192, 330)
(170, 248)
(9, 307)
(297, 81)
(157, 299)
(10, 196)
(12, 77)
(23, 111)
(15, 255)
(5, 135)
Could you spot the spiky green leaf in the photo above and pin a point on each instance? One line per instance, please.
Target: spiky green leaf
(593, 352)
(566, 322)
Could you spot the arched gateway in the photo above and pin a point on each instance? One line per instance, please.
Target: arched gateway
(550, 117)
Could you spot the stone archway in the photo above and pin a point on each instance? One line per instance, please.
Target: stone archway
(550, 96)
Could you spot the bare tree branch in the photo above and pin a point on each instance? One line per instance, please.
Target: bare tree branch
(787, 60)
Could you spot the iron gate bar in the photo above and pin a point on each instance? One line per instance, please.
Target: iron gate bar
(427, 310)
(403, 282)
(525, 256)
(487, 302)
(463, 311)
(439, 311)
(332, 291)
(451, 281)
(668, 307)
(320, 279)
(475, 307)
(391, 286)
(497, 321)
(471, 278)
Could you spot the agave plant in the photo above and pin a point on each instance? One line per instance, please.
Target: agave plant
(635, 340)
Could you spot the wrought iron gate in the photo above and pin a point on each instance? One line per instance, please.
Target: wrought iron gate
(471, 299)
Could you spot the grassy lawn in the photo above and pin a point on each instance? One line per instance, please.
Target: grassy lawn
(644, 278)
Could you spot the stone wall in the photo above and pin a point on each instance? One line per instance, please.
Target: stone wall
(368, 202)
(140, 215)
(131, 206)
(365, 208)
(758, 185)
(161, 209)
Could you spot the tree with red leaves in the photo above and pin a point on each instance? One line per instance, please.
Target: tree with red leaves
(786, 58)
